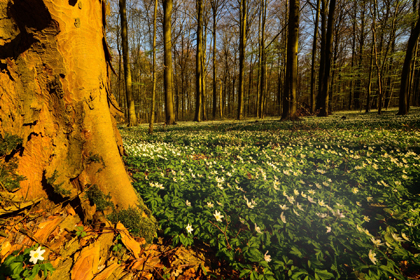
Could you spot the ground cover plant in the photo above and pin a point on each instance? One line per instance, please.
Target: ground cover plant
(319, 198)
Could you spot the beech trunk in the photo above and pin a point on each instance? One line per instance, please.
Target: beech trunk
(55, 95)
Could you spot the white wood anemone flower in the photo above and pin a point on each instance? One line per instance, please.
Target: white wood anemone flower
(189, 228)
(36, 255)
(218, 216)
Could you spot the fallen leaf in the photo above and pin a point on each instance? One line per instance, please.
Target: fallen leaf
(107, 272)
(87, 263)
(128, 241)
(46, 228)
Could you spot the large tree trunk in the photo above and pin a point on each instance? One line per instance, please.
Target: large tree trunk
(54, 94)
(132, 120)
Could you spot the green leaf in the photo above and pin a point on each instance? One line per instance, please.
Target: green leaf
(295, 251)
(324, 274)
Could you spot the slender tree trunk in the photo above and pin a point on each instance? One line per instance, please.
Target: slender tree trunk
(242, 46)
(214, 63)
(262, 58)
(326, 77)
(322, 56)
(314, 48)
(353, 57)
(152, 110)
(292, 61)
(167, 61)
(132, 120)
(369, 81)
(405, 74)
(199, 60)
(358, 86)
(204, 73)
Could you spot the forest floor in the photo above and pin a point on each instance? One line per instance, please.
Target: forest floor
(228, 197)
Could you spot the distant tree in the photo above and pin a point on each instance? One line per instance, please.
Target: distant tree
(326, 58)
(289, 109)
(242, 45)
(167, 72)
(199, 60)
(314, 49)
(405, 74)
(132, 118)
(216, 6)
(152, 108)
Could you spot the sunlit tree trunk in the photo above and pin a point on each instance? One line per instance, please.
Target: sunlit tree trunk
(55, 96)
(132, 119)
(152, 109)
(167, 57)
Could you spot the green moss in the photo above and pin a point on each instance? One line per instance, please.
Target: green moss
(9, 143)
(137, 224)
(95, 158)
(57, 187)
(8, 177)
(97, 197)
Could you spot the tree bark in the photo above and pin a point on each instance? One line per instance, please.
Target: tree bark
(404, 87)
(132, 119)
(214, 8)
(242, 45)
(326, 77)
(198, 71)
(152, 109)
(55, 96)
(289, 111)
(262, 59)
(314, 47)
(322, 54)
(167, 57)
(358, 86)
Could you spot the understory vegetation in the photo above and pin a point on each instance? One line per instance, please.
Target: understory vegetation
(319, 198)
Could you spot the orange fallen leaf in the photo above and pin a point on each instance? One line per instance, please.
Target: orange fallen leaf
(46, 228)
(5, 248)
(87, 263)
(128, 241)
(107, 272)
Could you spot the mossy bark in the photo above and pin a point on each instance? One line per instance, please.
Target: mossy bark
(54, 94)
